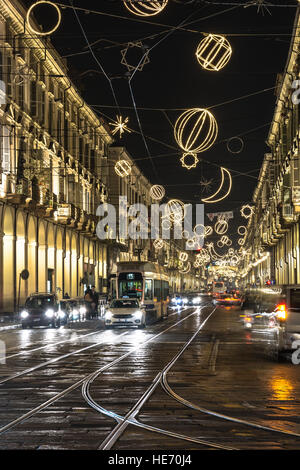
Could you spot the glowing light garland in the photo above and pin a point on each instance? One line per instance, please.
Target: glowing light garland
(120, 126)
(157, 192)
(122, 168)
(196, 130)
(35, 31)
(212, 199)
(149, 8)
(213, 52)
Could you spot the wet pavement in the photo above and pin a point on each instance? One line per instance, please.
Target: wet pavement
(197, 380)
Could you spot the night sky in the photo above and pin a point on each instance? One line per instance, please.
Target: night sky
(174, 79)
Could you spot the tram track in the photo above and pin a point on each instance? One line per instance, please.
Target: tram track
(161, 379)
(130, 418)
(78, 383)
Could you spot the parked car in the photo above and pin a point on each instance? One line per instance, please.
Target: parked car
(125, 312)
(41, 309)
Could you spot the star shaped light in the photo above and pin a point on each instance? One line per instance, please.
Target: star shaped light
(145, 58)
(206, 184)
(120, 126)
(193, 163)
(261, 5)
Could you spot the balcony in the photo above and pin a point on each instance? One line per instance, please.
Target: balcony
(67, 214)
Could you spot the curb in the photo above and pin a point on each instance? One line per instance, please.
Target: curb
(10, 327)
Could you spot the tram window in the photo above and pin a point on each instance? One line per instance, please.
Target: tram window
(165, 285)
(148, 289)
(157, 290)
(130, 289)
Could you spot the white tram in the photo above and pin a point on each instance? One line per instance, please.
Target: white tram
(145, 281)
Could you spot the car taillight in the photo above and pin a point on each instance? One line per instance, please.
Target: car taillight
(281, 311)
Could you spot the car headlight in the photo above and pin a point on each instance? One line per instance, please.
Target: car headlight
(196, 300)
(74, 312)
(24, 314)
(61, 314)
(82, 310)
(185, 300)
(138, 315)
(174, 299)
(49, 313)
(108, 315)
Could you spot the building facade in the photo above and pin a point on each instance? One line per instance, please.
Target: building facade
(273, 236)
(53, 149)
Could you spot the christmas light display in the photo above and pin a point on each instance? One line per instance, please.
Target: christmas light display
(122, 168)
(247, 211)
(221, 226)
(212, 199)
(174, 210)
(192, 164)
(36, 31)
(149, 8)
(242, 230)
(196, 130)
(157, 192)
(213, 52)
(120, 126)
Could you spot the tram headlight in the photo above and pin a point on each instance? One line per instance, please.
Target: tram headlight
(24, 314)
(49, 313)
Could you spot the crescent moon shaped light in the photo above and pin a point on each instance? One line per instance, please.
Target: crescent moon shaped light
(211, 199)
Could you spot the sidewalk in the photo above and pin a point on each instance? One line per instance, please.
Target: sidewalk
(9, 322)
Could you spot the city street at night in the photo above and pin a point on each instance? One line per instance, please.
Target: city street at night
(191, 382)
(149, 231)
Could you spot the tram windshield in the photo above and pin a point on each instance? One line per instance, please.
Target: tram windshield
(130, 285)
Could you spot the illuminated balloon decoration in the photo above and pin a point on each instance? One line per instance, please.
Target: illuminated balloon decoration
(192, 157)
(241, 241)
(196, 130)
(157, 192)
(174, 210)
(221, 227)
(183, 256)
(149, 8)
(122, 168)
(36, 31)
(208, 230)
(216, 197)
(213, 52)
